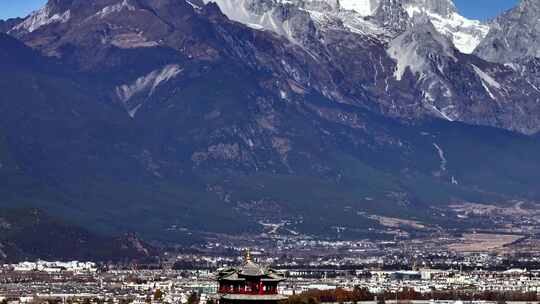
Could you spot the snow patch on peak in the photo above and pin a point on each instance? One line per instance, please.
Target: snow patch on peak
(414, 48)
(41, 18)
(405, 56)
(293, 20)
(443, 8)
(487, 78)
(148, 83)
(362, 7)
(487, 81)
(241, 11)
(290, 18)
(111, 9)
(466, 34)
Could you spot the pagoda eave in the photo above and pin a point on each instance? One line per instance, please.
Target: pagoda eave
(246, 297)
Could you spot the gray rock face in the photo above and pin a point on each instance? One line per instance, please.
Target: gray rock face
(289, 19)
(391, 15)
(392, 62)
(466, 34)
(418, 73)
(513, 35)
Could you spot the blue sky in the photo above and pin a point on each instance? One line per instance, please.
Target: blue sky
(476, 9)
(482, 9)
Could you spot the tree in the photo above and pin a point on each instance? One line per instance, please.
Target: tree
(193, 298)
(158, 295)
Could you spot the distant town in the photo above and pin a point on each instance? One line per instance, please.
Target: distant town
(302, 271)
(411, 262)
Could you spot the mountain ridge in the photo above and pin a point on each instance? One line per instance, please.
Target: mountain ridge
(29, 234)
(148, 116)
(513, 34)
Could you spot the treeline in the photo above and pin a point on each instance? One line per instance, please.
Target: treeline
(340, 295)
(464, 295)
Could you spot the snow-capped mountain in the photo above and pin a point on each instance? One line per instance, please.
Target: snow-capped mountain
(194, 105)
(402, 58)
(513, 35)
(51, 13)
(355, 14)
(466, 34)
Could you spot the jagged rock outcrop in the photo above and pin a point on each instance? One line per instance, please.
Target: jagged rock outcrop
(465, 34)
(391, 15)
(513, 35)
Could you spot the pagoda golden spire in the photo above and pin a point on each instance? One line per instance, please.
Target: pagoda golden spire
(247, 256)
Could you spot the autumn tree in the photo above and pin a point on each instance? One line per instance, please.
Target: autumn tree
(158, 295)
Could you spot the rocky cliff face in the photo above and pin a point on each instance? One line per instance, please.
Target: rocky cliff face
(513, 35)
(314, 26)
(465, 34)
(391, 15)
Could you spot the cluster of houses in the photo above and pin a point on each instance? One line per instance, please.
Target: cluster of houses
(52, 267)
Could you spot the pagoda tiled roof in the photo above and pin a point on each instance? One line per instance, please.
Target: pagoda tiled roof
(249, 269)
(232, 277)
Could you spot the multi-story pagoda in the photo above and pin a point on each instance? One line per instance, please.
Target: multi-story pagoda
(249, 283)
